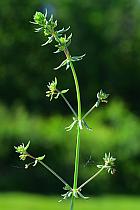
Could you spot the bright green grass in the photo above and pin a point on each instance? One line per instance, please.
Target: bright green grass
(20, 201)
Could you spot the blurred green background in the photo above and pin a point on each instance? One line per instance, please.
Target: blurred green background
(108, 32)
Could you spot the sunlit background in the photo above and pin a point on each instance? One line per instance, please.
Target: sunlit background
(108, 32)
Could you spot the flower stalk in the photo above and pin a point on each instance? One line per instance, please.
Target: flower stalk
(22, 150)
(91, 178)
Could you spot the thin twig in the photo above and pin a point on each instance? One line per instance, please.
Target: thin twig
(67, 102)
(49, 169)
(90, 110)
(91, 178)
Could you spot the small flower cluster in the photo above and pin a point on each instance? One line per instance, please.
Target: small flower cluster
(63, 41)
(48, 28)
(53, 91)
(108, 163)
(22, 150)
(101, 96)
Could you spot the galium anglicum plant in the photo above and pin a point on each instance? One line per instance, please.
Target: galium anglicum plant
(62, 41)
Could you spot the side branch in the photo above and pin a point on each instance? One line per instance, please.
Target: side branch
(91, 178)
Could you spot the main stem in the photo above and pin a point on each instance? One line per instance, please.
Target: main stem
(78, 130)
(68, 56)
(76, 83)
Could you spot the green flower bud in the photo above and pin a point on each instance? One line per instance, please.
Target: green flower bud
(102, 96)
(23, 157)
(40, 18)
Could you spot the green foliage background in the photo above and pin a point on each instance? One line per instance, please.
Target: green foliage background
(115, 129)
(108, 32)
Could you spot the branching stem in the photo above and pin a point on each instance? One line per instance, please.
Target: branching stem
(90, 110)
(67, 102)
(53, 172)
(49, 169)
(91, 178)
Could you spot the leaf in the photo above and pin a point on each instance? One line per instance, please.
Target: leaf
(51, 18)
(50, 39)
(27, 146)
(55, 23)
(33, 23)
(67, 187)
(41, 158)
(69, 37)
(61, 31)
(68, 43)
(68, 65)
(62, 64)
(57, 51)
(71, 125)
(36, 161)
(55, 81)
(56, 97)
(86, 125)
(64, 91)
(26, 166)
(77, 58)
(38, 29)
(99, 166)
(80, 194)
(46, 12)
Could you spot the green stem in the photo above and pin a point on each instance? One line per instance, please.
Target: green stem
(76, 83)
(54, 173)
(71, 108)
(74, 76)
(76, 167)
(91, 178)
(49, 169)
(90, 110)
(78, 130)
(72, 202)
(76, 159)
(67, 102)
(68, 56)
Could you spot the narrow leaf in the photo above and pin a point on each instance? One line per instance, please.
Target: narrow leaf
(61, 31)
(67, 187)
(50, 39)
(68, 65)
(62, 64)
(80, 194)
(57, 51)
(64, 91)
(41, 158)
(77, 58)
(27, 146)
(36, 161)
